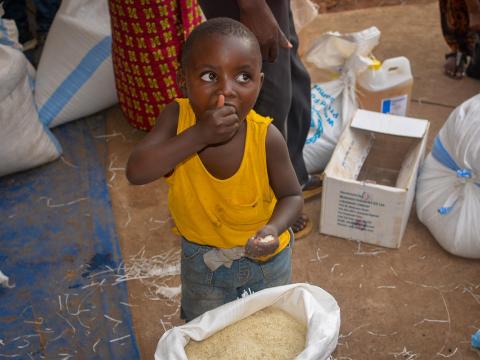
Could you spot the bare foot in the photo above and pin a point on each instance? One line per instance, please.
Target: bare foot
(455, 65)
(302, 226)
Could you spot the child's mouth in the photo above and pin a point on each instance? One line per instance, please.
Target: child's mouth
(233, 106)
(228, 104)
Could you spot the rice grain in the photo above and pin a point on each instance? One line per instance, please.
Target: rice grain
(270, 333)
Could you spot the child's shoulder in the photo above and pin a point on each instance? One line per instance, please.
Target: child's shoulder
(171, 110)
(181, 101)
(167, 121)
(259, 119)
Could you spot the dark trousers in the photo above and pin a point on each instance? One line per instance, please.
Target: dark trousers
(285, 94)
(45, 9)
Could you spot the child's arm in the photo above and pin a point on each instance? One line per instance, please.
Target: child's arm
(287, 190)
(283, 181)
(158, 153)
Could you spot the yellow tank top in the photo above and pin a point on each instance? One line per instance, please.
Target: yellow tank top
(223, 213)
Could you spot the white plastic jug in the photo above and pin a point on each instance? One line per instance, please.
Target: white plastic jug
(386, 87)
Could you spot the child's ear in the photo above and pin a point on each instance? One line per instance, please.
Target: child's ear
(182, 84)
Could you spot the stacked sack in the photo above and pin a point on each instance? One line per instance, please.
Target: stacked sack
(448, 190)
(24, 141)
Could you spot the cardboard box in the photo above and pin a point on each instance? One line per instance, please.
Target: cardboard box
(369, 183)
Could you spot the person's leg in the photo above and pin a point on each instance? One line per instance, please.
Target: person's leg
(46, 11)
(299, 112)
(275, 272)
(461, 40)
(17, 10)
(286, 95)
(473, 69)
(299, 116)
(473, 14)
(202, 289)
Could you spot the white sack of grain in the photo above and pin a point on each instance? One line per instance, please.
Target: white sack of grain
(308, 304)
(24, 140)
(448, 189)
(75, 74)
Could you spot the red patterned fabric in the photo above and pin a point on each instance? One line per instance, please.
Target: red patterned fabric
(147, 38)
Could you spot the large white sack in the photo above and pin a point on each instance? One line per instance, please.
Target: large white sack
(334, 102)
(307, 303)
(448, 190)
(75, 74)
(24, 141)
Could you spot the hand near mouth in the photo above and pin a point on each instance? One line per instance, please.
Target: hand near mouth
(219, 124)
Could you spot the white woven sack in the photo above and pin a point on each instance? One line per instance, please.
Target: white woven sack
(307, 303)
(448, 190)
(75, 75)
(24, 141)
(334, 102)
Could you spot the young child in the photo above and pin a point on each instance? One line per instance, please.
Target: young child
(231, 180)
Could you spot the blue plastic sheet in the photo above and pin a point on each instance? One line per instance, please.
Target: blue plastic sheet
(59, 247)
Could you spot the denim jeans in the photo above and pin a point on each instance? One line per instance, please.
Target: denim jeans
(203, 289)
(45, 9)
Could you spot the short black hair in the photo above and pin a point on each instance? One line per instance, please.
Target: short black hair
(218, 26)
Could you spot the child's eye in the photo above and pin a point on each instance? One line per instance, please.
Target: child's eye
(243, 78)
(208, 76)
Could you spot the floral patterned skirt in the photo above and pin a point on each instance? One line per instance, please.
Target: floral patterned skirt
(147, 39)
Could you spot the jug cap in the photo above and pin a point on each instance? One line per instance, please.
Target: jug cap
(375, 65)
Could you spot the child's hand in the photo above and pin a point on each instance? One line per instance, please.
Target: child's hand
(220, 124)
(265, 242)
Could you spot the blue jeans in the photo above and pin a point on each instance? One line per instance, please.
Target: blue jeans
(203, 289)
(45, 9)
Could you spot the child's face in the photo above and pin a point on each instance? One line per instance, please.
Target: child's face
(223, 65)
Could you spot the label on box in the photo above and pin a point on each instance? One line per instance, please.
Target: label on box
(357, 211)
(395, 106)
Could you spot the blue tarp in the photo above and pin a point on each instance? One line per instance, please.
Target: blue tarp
(59, 247)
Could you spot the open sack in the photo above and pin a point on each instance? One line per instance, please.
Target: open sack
(307, 303)
(448, 189)
(340, 57)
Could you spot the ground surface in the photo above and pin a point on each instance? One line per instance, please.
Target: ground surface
(344, 5)
(417, 302)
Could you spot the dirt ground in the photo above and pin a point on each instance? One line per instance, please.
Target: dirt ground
(417, 302)
(331, 6)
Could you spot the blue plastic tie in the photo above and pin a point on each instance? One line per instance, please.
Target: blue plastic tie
(445, 210)
(476, 340)
(441, 154)
(443, 157)
(464, 173)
